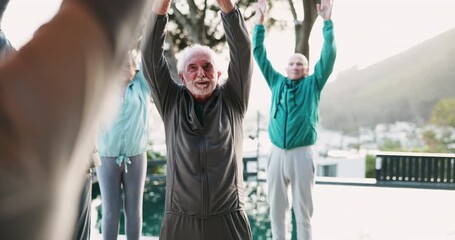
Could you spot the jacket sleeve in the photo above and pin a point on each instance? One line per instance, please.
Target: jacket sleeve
(260, 55)
(154, 65)
(240, 68)
(324, 66)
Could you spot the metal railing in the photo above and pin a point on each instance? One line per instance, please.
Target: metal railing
(393, 169)
(432, 170)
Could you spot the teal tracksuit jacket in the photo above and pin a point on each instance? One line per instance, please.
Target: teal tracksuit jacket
(294, 107)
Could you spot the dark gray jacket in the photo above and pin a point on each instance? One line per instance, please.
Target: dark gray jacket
(204, 170)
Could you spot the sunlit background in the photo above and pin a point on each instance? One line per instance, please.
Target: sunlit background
(366, 32)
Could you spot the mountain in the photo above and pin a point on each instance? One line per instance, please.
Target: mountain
(404, 87)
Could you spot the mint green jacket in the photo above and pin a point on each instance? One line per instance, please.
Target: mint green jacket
(294, 107)
(129, 133)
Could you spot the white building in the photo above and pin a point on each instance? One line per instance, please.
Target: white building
(339, 163)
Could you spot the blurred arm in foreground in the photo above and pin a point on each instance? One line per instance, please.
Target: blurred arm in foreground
(51, 95)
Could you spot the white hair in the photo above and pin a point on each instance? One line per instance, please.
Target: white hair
(190, 51)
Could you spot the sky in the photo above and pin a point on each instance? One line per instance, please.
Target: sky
(366, 31)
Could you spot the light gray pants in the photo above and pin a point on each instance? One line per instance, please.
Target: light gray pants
(112, 178)
(293, 167)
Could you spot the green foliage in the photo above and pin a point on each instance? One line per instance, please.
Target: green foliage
(194, 21)
(159, 169)
(154, 155)
(391, 145)
(443, 113)
(436, 144)
(370, 166)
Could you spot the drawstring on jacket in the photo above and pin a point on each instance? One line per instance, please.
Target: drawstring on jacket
(275, 106)
(291, 91)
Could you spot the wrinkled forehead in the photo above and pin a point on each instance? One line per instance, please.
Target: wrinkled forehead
(298, 58)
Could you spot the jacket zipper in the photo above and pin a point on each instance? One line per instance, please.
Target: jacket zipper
(285, 116)
(204, 175)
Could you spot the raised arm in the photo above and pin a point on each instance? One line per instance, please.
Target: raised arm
(259, 50)
(50, 97)
(324, 66)
(240, 65)
(154, 65)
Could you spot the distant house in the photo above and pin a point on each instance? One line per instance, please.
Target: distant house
(339, 163)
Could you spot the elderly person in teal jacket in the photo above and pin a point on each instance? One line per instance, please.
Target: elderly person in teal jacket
(122, 148)
(292, 125)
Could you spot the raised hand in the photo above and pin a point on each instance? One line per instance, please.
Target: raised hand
(161, 7)
(226, 5)
(261, 7)
(325, 9)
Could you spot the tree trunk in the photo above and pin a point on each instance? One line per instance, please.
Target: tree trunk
(303, 29)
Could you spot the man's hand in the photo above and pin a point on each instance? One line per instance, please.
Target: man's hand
(325, 9)
(261, 7)
(160, 7)
(226, 5)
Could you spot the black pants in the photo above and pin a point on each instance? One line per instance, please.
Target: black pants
(231, 226)
(82, 231)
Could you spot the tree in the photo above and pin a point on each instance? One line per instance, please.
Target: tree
(303, 28)
(443, 113)
(391, 145)
(196, 21)
(436, 144)
(443, 116)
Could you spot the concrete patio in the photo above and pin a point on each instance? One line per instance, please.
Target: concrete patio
(362, 211)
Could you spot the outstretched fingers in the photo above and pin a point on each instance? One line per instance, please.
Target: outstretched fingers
(324, 9)
(261, 6)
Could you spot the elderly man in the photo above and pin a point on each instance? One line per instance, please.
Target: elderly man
(203, 123)
(292, 125)
(51, 93)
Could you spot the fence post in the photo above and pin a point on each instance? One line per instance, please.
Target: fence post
(378, 167)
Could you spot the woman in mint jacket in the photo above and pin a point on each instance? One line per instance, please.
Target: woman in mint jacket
(292, 125)
(122, 148)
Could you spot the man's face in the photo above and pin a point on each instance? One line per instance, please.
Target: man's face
(200, 76)
(297, 67)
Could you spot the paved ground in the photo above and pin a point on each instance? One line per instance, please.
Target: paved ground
(376, 213)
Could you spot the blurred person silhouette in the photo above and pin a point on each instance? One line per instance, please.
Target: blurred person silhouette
(203, 122)
(292, 125)
(122, 148)
(52, 94)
